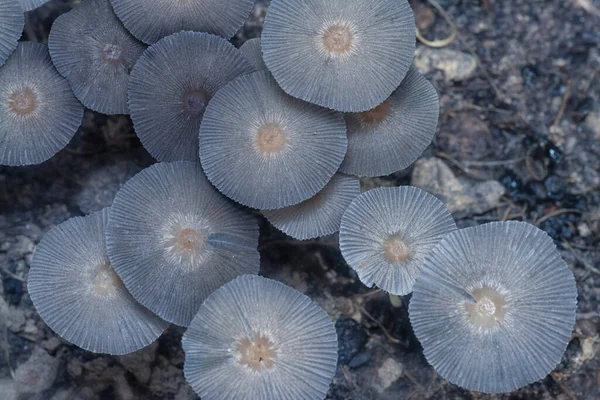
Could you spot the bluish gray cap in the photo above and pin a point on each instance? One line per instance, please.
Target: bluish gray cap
(253, 53)
(173, 239)
(38, 112)
(494, 306)
(12, 21)
(78, 294)
(393, 135)
(171, 85)
(151, 20)
(97, 61)
(386, 233)
(29, 5)
(256, 338)
(265, 149)
(320, 215)
(347, 55)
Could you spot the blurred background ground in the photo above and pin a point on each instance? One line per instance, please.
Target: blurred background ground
(518, 138)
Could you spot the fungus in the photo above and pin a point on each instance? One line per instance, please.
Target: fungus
(256, 338)
(394, 134)
(95, 62)
(38, 112)
(253, 53)
(78, 294)
(12, 21)
(171, 85)
(386, 233)
(346, 55)
(321, 214)
(265, 149)
(494, 306)
(28, 5)
(173, 239)
(151, 20)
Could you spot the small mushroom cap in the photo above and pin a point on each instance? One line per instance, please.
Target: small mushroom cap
(171, 85)
(12, 21)
(256, 338)
(348, 55)
(96, 62)
(29, 5)
(38, 112)
(77, 293)
(173, 239)
(320, 215)
(386, 233)
(494, 306)
(394, 134)
(265, 149)
(253, 53)
(151, 20)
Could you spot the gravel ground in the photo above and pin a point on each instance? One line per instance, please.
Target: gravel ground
(519, 138)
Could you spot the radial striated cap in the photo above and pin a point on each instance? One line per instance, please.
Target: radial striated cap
(394, 134)
(256, 338)
(253, 53)
(173, 239)
(265, 149)
(38, 112)
(96, 62)
(151, 20)
(386, 233)
(494, 306)
(29, 5)
(321, 214)
(348, 55)
(78, 294)
(12, 21)
(171, 85)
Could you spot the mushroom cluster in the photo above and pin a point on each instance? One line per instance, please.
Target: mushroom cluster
(286, 125)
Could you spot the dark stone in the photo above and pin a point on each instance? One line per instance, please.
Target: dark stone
(360, 359)
(13, 289)
(529, 73)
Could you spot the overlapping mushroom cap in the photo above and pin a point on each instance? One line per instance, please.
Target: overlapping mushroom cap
(253, 53)
(151, 20)
(265, 149)
(173, 239)
(29, 5)
(348, 55)
(78, 294)
(321, 214)
(386, 233)
(97, 61)
(256, 338)
(393, 135)
(38, 112)
(12, 21)
(171, 85)
(494, 306)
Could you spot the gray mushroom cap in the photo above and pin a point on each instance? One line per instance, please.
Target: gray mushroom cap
(171, 85)
(320, 215)
(347, 55)
(96, 62)
(394, 134)
(151, 20)
(77, 293)
(256, 338)
(265, 149)
(12, 21)
(173, 239)
(253, 53)
(494, 306)
(38, 112)
(29, 5)
(386, 233)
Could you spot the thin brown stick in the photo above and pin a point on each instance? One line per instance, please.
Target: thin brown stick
(380, 325)
(583, 261)
(556, 213)
(563, 105)
(440, 42)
